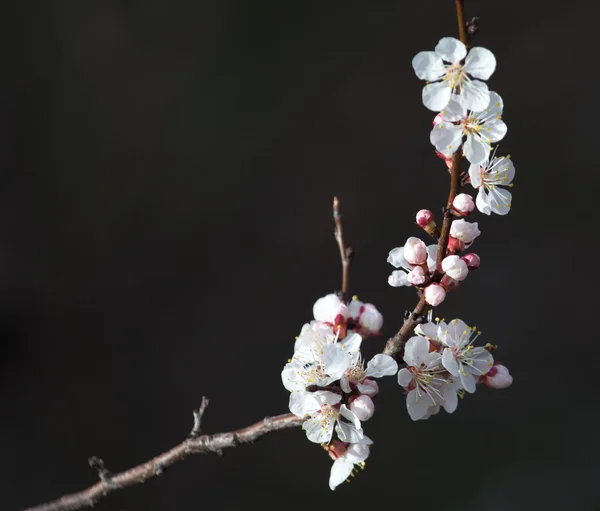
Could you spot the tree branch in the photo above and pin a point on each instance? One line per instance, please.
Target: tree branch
(395, 344)
(156, 466)
(346, 253)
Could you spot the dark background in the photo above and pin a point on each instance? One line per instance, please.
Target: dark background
(167, 170)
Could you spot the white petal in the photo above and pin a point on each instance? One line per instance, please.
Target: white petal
(357, 453)
(417, 406)
(335, 360)
(303, 403)
(408, 349)
(482, 202)
(428, 329)
(350, 432)
(345, 385)
(480, 63)
(428, 66)
(468, 381)
(450, 401)
(436, 96)
(324, 397)
(404, 377)
(398, 278)
(431, 257)
(318, 430)
(432, 360)
(291, 378)
(476, 150)
(368, 387)
(481, 360)
(493, 109)
(451, 50)
(325, 308)
(455, 110)
(493, 130)
(449, 362)
(381, 365)
(340, 471)
(446, 137)
(504, 171)
(419, 351)
(475, 175)
(351, 343)
(500, 200)
(476, 95)
(396, 258)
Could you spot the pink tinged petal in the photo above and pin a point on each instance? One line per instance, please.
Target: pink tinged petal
(363, 407)
(371, 319)
(500, 200)
(476, 95)
(415, 251)
(476, 149)
(482, 202)
(450, 397)
(398, 278)
(455, 110)
(340, 471)
(434, 294)
(368, 387)
(475, 175)
(449, 362)
(396, 258)
(416, 405)
(480, 63)
(318, 430)
(468, 381)
(324, 397)
(451, 50)
(358, 453)
(404, 377)
(303, 403)
(428, 329)
(501, 378)
(428, 66)
(436, 96)
(355, 308)
(381, 365)
(446, 137)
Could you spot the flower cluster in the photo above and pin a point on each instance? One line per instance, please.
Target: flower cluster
(329, 383)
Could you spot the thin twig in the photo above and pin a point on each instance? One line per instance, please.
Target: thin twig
(395, 344)
(141, 473)
(346, 253)
(198, 414)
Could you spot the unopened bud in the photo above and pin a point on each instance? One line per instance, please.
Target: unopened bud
(417, 276)
(498, 377)
(455, 267)
(434, 294)
(464, 231)
(424, 218)
(463, 204)
(455, 245)
(328, 308)
(415, 251)
(370, 320)
(362, 406)
(369, 387)
(472, 261)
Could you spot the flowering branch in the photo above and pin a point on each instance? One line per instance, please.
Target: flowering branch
(346, 253)
(194, 445)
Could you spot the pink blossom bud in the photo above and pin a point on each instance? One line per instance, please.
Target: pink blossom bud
(472, 261)
(463, 204)
(455, 245)
(498, 377)
(464, 231)
(434, 294)
(336, 449)
(362, 406)
(415, 251)
(369, 387)
(417, 276)
(370, 320)
(424, 218)
(455, 267)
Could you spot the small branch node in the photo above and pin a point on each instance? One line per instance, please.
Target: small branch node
(198, 414)
(473, 25)
(104, 474)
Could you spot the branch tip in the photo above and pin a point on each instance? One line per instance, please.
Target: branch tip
(198, 414)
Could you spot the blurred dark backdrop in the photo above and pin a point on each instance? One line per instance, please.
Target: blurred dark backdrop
(167, 170)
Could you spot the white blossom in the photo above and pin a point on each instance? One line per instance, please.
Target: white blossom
(354, 454)
(362, 406)
(415, 251)
(455, 267)
(367, 318)
(460, 357)
(463, 204)
(481, 129)
(464, 231)
(380, 365)
(328, 308)
(448, 77)
(489, 177)
(325, 416)
(425, 381)
(434, 294)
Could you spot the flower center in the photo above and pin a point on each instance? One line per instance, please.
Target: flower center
(455, 75)
(328, 414)
(355, 374)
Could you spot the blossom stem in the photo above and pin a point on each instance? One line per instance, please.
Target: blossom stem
(346, 253)
(156, 466)
(395, 344)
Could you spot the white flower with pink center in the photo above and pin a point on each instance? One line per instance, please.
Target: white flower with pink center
(489, 177)
(445, 68)
(346, 458)
(356, 374)
(325, 415)
(367, 319)
(460, 357)
(425, 379)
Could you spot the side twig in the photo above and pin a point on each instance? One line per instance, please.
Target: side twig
(139, 474)
(346, 253)
(198, 414)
